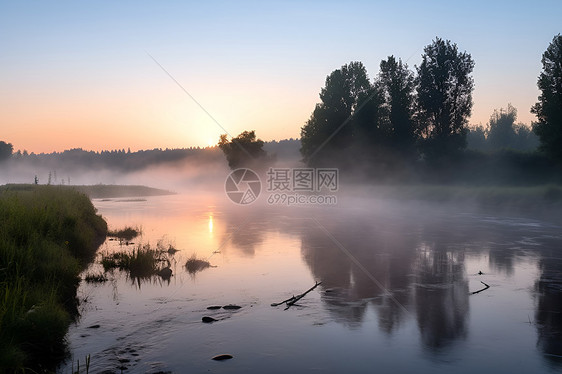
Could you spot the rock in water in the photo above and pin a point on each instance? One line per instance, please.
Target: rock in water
(208, 319)
(223, 357)
(214, 307)
(165, 273)
(231, 307)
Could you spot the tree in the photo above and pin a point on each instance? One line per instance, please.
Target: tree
(328, 128)
(244, 150)
(398, 85)
(6, 150)
(444, 95)
(504, 132)
(370, 123)
(549, 107)
(502, 129)
(526, 139)
(476, 138)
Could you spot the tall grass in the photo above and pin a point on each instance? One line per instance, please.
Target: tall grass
(194, 264)
(47, 235)
(142, 262)
(126, 234)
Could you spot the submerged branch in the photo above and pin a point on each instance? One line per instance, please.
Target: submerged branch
(483, 289)
(292, 300)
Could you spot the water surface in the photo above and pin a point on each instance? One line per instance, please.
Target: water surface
(395, 293)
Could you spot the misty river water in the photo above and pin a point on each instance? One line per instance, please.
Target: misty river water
(395, 295)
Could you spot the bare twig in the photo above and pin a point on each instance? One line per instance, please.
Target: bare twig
(292, 300)
(483, 289)
(284, 301)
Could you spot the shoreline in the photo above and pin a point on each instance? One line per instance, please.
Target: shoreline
(98, 191)
(48, 235)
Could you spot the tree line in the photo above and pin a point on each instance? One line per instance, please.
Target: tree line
(116, 160)
(502, 132)
(77, 160)
(403, 117)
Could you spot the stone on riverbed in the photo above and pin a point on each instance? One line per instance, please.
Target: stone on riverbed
(231, 307)
(165, 273)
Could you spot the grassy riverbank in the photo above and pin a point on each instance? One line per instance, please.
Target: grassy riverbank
(99, 191)
(47, 236)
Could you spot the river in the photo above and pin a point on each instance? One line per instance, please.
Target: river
(396, 293)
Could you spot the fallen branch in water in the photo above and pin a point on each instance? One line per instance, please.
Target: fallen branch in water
(483, 289)
(292, 300)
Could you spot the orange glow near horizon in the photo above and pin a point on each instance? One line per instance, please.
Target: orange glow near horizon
(80, 77)
(61, 121)
(55, 131)
(155, 113)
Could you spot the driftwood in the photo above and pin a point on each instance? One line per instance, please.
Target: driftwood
(292, 300)
(483, 289)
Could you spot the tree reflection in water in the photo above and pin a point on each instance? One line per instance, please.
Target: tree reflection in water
(420, 264)
(548, 314)
(427, 280)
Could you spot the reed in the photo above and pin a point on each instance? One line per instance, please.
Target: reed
(194, 264)
(127, 233)
(141, 262)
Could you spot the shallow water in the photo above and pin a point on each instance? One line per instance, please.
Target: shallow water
(395, 294)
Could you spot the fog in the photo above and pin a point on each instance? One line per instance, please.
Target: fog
(195, 171)
(398, 261)
(479, 181)
(177, 170)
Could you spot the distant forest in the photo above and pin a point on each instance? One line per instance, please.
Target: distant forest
(116, 160)
(77, 160)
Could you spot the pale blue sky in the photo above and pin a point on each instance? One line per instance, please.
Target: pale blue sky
(76, 74)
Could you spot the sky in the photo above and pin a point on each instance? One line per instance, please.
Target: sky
(80, 74)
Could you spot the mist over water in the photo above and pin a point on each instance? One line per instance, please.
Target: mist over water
(182, 175)
(413, 277)
(171, 169)
(397, 279)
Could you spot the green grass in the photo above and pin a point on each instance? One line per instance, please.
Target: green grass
(142, 262)
(47, 236)
(128, 233)
(95, 278)
(101, 191)
(194, 264)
